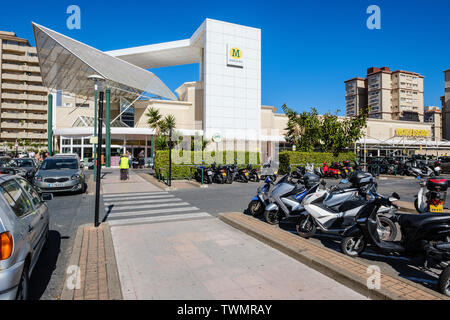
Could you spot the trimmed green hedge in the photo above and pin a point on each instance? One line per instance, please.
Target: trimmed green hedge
(296, 159)
(183, 161)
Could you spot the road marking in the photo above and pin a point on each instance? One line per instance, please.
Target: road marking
(165, 196)
(112, 195)
(159, 205)
(142, 202)
(123, 222)
(113, 215)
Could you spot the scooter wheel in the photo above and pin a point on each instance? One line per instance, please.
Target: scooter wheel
(271, 217)
(444, 281)
(305, 227)
(255, 208)
(351, 247)
(387, 230)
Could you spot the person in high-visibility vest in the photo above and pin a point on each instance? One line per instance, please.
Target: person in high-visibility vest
(124, 166)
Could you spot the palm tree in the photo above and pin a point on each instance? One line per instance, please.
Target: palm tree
(154, 120)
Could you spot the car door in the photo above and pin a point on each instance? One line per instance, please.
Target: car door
(23, 209)
(41, 219)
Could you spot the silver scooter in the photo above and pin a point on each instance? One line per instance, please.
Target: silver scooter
(286, 197)
(333, 210)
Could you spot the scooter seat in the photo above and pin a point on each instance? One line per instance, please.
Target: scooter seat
(416, 220)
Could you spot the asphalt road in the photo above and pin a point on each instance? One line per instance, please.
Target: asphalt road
(235, 197)
(67, 212)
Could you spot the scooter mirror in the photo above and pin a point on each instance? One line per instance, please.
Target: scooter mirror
(394, 197)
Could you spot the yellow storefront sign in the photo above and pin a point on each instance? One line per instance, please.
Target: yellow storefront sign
(412, 132)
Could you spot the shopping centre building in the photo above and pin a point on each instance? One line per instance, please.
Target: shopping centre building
(225, 102)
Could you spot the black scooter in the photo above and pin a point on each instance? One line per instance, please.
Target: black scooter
(423, 235)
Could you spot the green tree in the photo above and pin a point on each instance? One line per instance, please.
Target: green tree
(328, 133)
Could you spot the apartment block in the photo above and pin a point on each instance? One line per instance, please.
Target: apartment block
(355, 96)
(433, 115)
(23, 104)
(445, 100)
(389, 95)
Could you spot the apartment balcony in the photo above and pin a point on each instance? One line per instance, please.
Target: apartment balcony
(22, 97)
(16, 48)
(24, 58)
(21, 77)
(24, 106)
(14, 135)
(40, 116)
(40, 126)
(32, 135)
(13, 125)
(11, 115)
(15, 106)
(23, 87)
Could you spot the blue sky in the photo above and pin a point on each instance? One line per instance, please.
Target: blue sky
(309, 48)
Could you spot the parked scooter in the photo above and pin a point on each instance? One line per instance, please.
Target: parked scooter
(242, 175)
(330, 171)
(333, 211)
(286, 197)
(253, 174)
(431, 196)
(423, 235)
(205, 172)
(258, 204)
(220, 173)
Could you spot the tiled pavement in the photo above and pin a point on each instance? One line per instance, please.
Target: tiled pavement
(352, 272)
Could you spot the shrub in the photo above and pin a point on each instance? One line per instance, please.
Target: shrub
(296, 159)
(183, 161)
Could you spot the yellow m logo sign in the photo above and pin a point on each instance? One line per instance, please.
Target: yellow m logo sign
(236, 53)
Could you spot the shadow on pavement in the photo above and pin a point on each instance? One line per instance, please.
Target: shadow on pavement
(45, 266)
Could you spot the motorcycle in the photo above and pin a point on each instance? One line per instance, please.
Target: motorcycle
(330, 171)
(333, 211)
(286, 197)
(259, 202)
(205, 173)
(220, 173)
(431, 196)
(423, 235)
(419, 169)
(253, 174)
(242, 175)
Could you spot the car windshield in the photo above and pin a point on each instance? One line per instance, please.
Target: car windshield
(56, 164)
(6, 163)
(24, 162)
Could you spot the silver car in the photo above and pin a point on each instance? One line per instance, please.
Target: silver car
(60, 174)
(24, 222)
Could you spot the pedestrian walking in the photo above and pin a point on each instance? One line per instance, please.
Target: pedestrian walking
(130, 160)
(141, 157)
(124, 166)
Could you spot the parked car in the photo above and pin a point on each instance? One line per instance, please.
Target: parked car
(9, 166)
(24, 223)
(27, 164)
(62, 173)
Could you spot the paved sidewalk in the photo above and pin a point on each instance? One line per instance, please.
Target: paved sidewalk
(111, 183)
(347, 270)
(207, 259)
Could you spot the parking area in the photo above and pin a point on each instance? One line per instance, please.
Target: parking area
(235, 198)
(67, 212)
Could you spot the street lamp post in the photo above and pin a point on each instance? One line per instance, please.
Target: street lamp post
(98, 80)
(170, 157)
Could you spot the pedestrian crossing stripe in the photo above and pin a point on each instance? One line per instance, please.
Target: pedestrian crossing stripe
(164, 196)
(113, 195)
(142, 201)
(150, 212)
(116, 207)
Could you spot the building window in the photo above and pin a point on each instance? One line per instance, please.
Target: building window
(66, 141)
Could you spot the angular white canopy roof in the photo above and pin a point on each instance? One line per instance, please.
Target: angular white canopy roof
(165, 54)
(66, 63)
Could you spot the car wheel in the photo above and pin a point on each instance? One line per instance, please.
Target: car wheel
(24, 285)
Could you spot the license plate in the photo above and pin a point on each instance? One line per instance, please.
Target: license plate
(246, 173)
(224, 174)
(55, 185)
(438, 208)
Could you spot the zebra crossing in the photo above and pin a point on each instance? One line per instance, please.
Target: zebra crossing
(149, 207)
